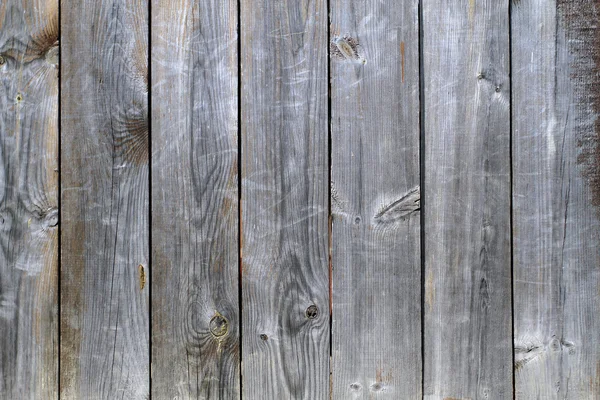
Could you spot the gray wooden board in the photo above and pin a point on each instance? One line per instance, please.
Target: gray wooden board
(284, 200)
(468, 327)
(195, 253)
(375, 200)
(104, 200)
(28, 199)
(556, 197)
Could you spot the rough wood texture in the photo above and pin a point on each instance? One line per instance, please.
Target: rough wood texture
(28, 199)
(468, 327)
(556, 198)
(195, 253)
(375, 200)
(285, 200)
(104, 193)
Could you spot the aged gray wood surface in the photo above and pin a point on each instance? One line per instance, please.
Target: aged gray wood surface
(556, 198)
(104, 200)
(285, 284)
(28, 199)
(195, 253)
(468, 331)
(375, 200)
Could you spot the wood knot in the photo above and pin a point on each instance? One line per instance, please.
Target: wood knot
(50, 219)
(346, 48)
(401, 208)
(312, 312)
(219, 326)
(377, 387)
(355, 387)
(142, 276)
(263, 337)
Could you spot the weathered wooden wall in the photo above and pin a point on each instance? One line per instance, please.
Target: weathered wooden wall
(312, 199)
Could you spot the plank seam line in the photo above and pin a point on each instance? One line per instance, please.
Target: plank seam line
(149, 72)
(59, 243)
(329, 215)
(422, 188)
(239, 177)
(510, 160)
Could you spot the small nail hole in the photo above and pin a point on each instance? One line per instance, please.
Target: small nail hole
(19, 97)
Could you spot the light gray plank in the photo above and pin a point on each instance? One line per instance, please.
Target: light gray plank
(104, 200)
(285, 200)
(28, 199)
(376, 256)
(468, 326)
(556, 197)
(195, 227)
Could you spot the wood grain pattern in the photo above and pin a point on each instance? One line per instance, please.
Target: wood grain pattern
(28, 199)
(195, 227)
(285, 200)
(104, 200)
(468, 327)
(556, 169)
(376, 260)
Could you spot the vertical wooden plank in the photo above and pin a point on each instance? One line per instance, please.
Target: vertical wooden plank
(104, 200)
(28, 199)
(375, 199)
(556, 198)
(468, 325)
(195, 227)
(285, 284)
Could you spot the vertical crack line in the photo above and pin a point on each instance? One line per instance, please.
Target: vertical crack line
(239, 176)
(329, 216)
(510, 158)
(149, 78)
(59, 196)
(423, 189)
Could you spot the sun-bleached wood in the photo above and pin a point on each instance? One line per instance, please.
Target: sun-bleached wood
(104, 200)
(468, 326)
(556, 198)
(375, 200)
(195, 227)
(284, 200)
(28, 199)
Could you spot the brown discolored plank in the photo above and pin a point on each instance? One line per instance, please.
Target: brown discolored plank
(375, 199)
(556, 197)
(195, 227)
(468, 326)
(285, 285)
(104, 200)
(28, 199)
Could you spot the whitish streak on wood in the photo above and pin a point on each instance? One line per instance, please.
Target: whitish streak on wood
(468, 329)
(556, 198)
(28, 200)
(284, 195)
(376, 261)
(104, 199)
(195, 321)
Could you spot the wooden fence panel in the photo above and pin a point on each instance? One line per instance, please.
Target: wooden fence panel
(104, 200)
(28, 199)
(195, 227)
(285, 285)
(468, 326)
(556, 198)
(375, 200)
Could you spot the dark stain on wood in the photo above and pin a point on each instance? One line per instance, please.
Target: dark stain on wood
(579, 19)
